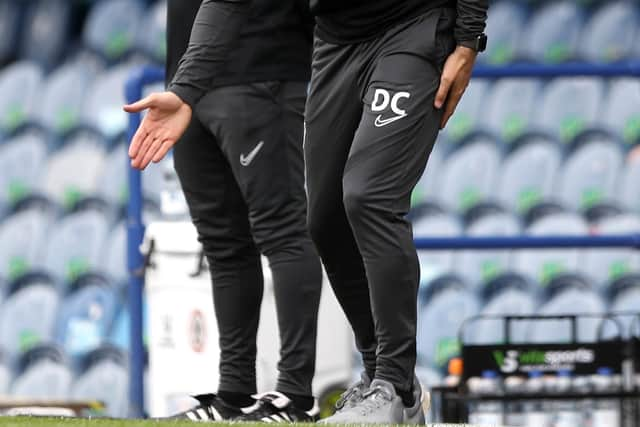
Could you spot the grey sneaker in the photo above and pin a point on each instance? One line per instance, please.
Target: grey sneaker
(349, 399)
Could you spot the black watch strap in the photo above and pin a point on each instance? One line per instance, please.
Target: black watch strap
(479, 44)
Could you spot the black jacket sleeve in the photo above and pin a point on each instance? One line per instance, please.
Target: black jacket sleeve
(216, 27)
(472, 18)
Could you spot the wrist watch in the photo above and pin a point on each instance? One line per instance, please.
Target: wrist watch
(479, 43)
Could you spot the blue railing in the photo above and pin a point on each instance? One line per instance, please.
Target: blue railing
(135, 260)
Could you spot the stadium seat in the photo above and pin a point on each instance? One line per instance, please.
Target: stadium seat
(626, 299)
(469, 174)
(112, 185)
(119, 335)
(528, 173)
(19, 86)
(469, 114)
(10, 23)
(22, 161)
(153, 179)
(590, 175)
(5, 376)
(151, 38)
(436, 223)
(505, 26)
(606, 265)
(105, 379)
(621, 110)
(447, 303)
(553, 33)
(75, 245)
(478, 267)
(569, 106)
(22, 240)
(512, 102)
(27, 317)
(45, 33)
(543, 265)
(62, 97)
(44, 375)
(84, 154)
(573, 297)
(86, 315)
(115, 251)
(610, 33)
(426, 190)
(629, 190)
(103, 105)
(111, 27)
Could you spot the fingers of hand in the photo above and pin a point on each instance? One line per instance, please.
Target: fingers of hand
(443, 91)
(150, 154)
(455, 94)
(162, 150)
(137, 160)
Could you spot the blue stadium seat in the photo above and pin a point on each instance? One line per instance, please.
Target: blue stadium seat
(447, 304)
(607, 265)
(10, 23)
(505, 26)
(609, 35)
(553, 33)
(621, 110)
(543, 265)
(478, 267)
(569, 107)
(590, 175)
(105, 378)
(119, 335)
(45, 33)
(153, 33)
(75, 245)
(511, 105)
(44, 374)
(111, 27)
(19, 86)
(86, 315)
(62, 97)
(103, 105)
(436, 223)
(22, 161)
(629, 190)
(469, 174)
(115, 262)
(469, 114)
(22, 240)
(528, 173)
(28, 315)
(73, 171)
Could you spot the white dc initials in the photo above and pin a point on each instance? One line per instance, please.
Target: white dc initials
(382, 99)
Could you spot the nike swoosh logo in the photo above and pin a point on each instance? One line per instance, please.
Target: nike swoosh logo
(380, 122)
(246, 160)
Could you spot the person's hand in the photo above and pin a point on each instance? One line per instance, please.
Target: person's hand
(164, 123)
(454, 80)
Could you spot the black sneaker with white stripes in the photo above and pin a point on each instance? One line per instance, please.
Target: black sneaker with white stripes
(210, 408)
(275, 407)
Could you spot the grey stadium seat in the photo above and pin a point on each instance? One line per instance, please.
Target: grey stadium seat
(45, 376)
(75, 245)
(629, 190)
(621, 111)
(436, 263)
(5, 378)
(427, 189)
(478, 267)
(447, 307)
(468, 115)
(610, 33)
(511, 105)
(45, 32)
(469, 174)
(152, 33)
(22, 161)
(115, 261)
(62, 98)
(19, 85)
(112, 184)
(28, 316)
(591, 174)
(606, 265)
(106, 379)
(504, 28)
(543, 265)
(529, 174)
(111, 28)
(569, 106)
(22, 240)
(553, 32)
(73, 171)
(627, 301)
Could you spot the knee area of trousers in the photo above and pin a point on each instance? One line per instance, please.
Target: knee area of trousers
(355, 201)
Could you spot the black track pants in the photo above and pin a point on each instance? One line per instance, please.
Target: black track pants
(243, 176)
(370, 127)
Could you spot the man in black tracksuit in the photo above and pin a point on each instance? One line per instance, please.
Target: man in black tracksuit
(387, 75)
(241, 167)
